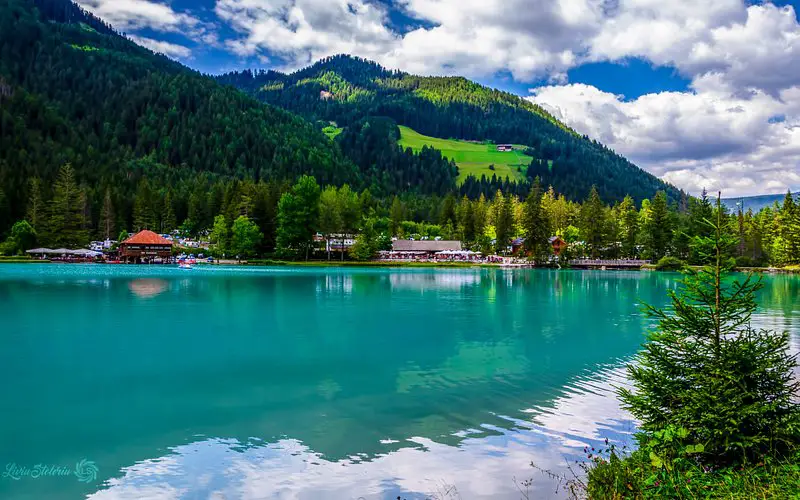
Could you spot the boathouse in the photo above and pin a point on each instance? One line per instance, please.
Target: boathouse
(145, 247)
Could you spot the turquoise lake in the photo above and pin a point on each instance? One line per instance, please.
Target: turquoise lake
(229, 383)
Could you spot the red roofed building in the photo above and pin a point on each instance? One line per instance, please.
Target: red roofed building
(145, 246)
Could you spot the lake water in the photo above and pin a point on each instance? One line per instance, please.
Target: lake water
(230, 383)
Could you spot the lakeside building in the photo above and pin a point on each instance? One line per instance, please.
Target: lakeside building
(336, 242)
(145, 247)
(558, 244)
(420, 250)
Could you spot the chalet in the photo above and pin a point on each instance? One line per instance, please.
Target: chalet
(145, 247)
(558, 244)
(505, 147)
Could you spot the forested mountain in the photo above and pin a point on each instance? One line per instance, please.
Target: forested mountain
(74, 91)
(347, 89)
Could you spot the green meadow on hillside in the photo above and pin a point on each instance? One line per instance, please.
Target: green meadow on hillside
(471, 157)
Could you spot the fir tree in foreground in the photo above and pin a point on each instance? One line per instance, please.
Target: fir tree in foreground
(716, 398)
(705, 369)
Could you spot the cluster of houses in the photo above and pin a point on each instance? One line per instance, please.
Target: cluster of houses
(144, 247)
(436, 250)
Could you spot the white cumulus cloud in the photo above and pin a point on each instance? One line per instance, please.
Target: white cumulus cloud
(717, 140)
(172, 50)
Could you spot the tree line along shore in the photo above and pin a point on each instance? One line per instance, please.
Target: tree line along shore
(282, 222)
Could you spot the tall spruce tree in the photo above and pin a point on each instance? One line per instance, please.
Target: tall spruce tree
(700, 210)
(658, 227)
(35, 213)
(107, 216)
(168, 220)
(536, 224)
(143, 215)
(593, 223)
(790, 229)
(629, 227)
(504, 221)
(724, 389)
(65, 212)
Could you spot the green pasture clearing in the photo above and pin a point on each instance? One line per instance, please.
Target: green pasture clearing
(472, 157)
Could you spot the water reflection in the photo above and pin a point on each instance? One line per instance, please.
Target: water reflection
(293, 382)
(148, 287)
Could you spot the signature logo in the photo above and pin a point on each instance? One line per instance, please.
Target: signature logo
(86, 471)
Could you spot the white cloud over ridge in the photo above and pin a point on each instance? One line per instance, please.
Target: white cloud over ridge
(723, 132)
(130, 15)
(694, 140)
(172, 50)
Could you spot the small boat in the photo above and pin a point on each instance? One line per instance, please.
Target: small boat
(185, 265)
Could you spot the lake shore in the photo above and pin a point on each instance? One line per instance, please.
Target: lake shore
(407, 264)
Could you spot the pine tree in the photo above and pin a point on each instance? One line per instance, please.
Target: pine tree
(466, 219)
(397, 214)
(593, 223)
(790, 229)
(168, 220)
(143, 216)
(658, 227)
(629, 226)
(723, 389)
(700, 211)
(536, 225)
(504, 221)
(107, 216)
(35, 213)
(65, 212)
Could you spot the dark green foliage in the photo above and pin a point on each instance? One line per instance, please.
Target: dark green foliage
(453, 107)
(709, 376)
(122, 112)
(22, 238)
(504, 222)
(536, 225)
(593, 223)
(700, 211)
(670, 263)
(65, 222)
(246, 237)
(298, 215)
(658, 228)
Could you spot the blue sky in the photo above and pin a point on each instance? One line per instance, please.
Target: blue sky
(702, 94)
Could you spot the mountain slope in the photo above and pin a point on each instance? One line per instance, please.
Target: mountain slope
(346, 89)
(74, 91)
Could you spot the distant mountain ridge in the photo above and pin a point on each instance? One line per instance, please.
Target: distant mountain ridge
(347, 89)
(755, 203)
